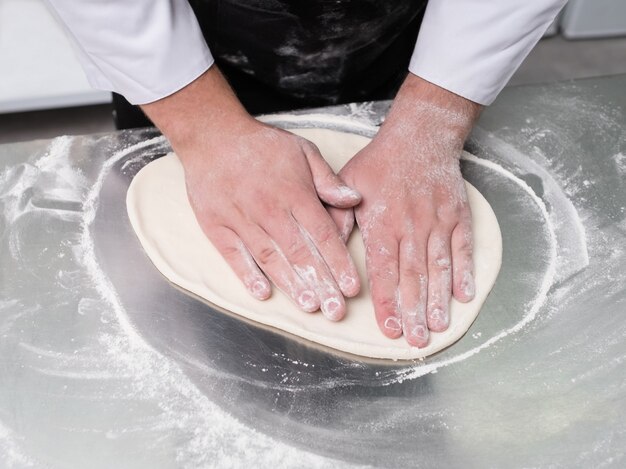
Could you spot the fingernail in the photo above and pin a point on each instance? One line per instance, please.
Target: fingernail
(260, 289)
(307, 300)
(331, 308)
(348, 192)
(439, 318)
(392, 323)
(436, 314)
(419, 332)
(468, 287)
(346, 229)
(347, 283)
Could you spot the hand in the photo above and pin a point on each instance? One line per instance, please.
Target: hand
(414, 218)
(255, 191)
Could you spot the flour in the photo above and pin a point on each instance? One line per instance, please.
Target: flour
(620, 163)
(239, 60)
(49, 186)
(361, 125)
(13, 455)
(60, 180)
(215, 438)
(564, 217)
(286, 358)
(207, 435)
(14, 182)
(346, 194)
(88, 256)
(363, 112)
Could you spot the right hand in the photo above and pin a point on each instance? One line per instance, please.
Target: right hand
(255, 191)
(415, 217)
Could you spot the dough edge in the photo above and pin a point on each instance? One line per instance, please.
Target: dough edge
(297, 322)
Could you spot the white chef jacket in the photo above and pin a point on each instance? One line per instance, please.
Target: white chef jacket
(146, 50)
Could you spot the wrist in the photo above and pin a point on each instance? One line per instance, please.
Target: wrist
(424, 109)
(198, 113)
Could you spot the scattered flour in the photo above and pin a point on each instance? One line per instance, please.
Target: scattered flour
(218, 439)
(620, 163)
(531, 309)
(553, 220)
(564, 217)
(12, 454)
(203, 434)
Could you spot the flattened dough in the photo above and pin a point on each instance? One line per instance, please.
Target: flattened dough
(166, 226)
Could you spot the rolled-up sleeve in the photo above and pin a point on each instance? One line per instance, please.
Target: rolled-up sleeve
(473, 47)
(142, 49)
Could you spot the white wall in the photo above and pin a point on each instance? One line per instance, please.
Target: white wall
(38, 69)
(594, 18)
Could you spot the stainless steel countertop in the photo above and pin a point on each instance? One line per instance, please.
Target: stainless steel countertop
(103, 363)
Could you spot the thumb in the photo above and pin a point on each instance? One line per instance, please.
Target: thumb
(330, 187)
(344, 219)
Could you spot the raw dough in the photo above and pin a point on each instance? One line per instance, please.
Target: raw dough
(166, 226)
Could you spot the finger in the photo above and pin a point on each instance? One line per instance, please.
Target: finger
(271, 259)
(330, 187)
(381, 257)
(439, 280)
(344, 220)
(306, 261)
(463, 284)
(233, 250)
(324, 235)
(413, 290)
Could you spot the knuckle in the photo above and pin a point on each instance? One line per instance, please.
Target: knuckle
(463, 241)
(383, 273)
(380, 253)
(464, 208)
(267, 255)
(442, 262)
(298, 252)
(448, 215)
(325, 233)
(465, 247)
(438, 246)
(468, 236)
(387, 223)
(386, 303)
(414, 271)
(309, 145)
(267, 208)
(229, 251)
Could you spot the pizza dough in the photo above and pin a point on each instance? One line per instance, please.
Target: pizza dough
(167, 229)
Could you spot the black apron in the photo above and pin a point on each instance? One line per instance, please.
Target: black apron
(288, 54)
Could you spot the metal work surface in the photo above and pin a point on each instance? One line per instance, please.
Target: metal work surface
(106, 364)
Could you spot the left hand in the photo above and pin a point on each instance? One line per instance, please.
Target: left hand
(414, 217)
